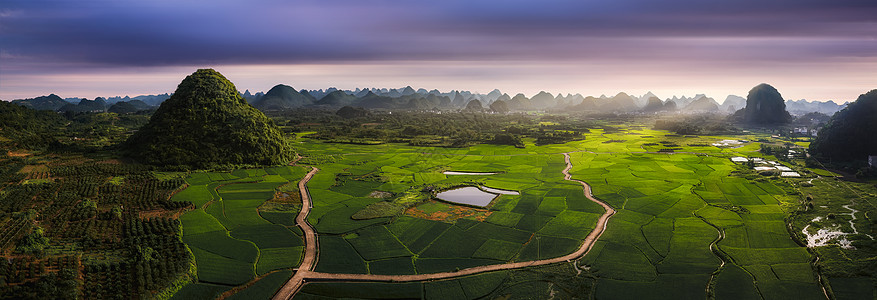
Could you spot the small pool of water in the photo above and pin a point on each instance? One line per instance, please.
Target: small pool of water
(466, 173)
(469, 195)
(499, 191)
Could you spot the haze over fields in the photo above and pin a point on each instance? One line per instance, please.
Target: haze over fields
(815, 50)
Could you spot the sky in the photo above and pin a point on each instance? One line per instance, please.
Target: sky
(808, 49)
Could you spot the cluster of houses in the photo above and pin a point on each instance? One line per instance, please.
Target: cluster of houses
(804, 131)
(761, 165)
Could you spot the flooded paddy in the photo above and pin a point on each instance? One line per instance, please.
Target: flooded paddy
(473, 196)
(469, 195)
(467, 173)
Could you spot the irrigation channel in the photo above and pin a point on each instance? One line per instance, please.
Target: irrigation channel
(305, 270)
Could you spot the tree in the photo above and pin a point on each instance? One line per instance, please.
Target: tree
(850, 134)
(33, 242)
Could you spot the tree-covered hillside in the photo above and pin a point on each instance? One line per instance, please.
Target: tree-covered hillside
(205, 123)
(850, 135)
(28, 128)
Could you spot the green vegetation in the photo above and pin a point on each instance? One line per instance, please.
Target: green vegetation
(231, 241)
(82, 228)
(265, 287)
(28, 128)
(690, 223)
(282, 97)
(764, 105)
(206, 123)
(848, 135)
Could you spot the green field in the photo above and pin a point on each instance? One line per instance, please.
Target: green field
(230, 239)
(680, 216)
(671, 208)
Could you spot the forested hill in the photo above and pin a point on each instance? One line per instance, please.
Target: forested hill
(28, 128)
(206, 122)
(850, 134)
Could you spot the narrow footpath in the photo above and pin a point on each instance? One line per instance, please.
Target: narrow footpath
(305, 271)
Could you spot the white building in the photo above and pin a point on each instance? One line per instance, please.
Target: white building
(737, 159)
(872, 161)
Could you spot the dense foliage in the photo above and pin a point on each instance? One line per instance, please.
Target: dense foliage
(206, 123)
(28, 128)
(764, 105)
(850, 135)
(697, 124)
(460, 129)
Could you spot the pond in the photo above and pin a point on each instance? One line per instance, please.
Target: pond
(466, 173)
(473, 196)
(499, 191)
(469, 195)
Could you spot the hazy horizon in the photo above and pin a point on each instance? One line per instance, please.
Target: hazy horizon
(815, 50)
(252, 81)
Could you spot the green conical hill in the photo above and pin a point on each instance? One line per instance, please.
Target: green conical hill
(207, 123)
(765, 105)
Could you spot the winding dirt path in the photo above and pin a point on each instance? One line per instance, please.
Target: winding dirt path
(310, 256)
(305, 271)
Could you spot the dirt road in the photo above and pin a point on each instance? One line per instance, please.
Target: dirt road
(306, 270)
(310, 256)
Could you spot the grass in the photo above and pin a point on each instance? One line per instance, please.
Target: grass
(338, 256)
(214, 268)
(392, 266)
(199, 291)
(570, 224)
(445, 289)
(278, 258)
(436, 265)
(671, 207)
(544, 247)
(734, 283)
(265, 287)
(376, 242)
(268, 236)
(497, 249)
(219, 243)
(230, 240)
(417, 234)
(453, 243)
(481, 285)
(375, 290)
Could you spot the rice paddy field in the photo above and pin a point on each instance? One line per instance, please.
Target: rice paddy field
(239, 232)
(690, 223)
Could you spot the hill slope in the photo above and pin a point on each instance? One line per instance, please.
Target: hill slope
(281, 97)
(50, 102)
(28, 128)
(850, 135)
(765, 105)
(205, 123)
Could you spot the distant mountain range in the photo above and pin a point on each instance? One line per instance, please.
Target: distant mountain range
(118, 105)
(281, 97)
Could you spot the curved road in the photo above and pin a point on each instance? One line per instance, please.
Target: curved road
(305, 271)
(310, 258)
